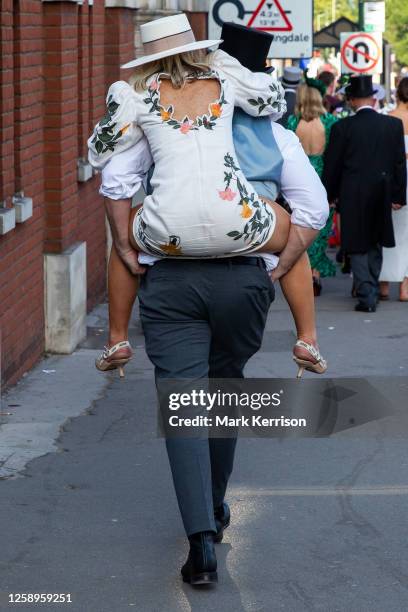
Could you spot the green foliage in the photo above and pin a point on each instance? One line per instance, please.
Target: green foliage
(397, 28)
(324, 8)
(396, 21)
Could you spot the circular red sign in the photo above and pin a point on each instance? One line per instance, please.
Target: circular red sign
(347, 44)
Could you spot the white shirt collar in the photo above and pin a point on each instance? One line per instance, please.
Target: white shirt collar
(364, 107)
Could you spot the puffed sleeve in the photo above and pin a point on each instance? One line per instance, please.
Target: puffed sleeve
(118, 129)
(257, 93)
(125, 173)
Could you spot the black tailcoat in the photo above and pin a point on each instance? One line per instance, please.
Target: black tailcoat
(365, 169)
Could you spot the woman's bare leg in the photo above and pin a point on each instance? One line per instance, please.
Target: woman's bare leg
(122, 292)
(403, 290)
(384, 289)
(297, 284)
(297, 287)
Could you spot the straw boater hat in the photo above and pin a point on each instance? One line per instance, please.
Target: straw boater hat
(168, 36)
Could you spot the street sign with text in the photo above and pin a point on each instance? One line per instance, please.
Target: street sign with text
(374, 16)
(290, 22)
(361, 52)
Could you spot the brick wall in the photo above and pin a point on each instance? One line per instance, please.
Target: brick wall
(55, 63)
(21, 260)
(61, 124)
(93, 69)
(199, 24)
(118, 25)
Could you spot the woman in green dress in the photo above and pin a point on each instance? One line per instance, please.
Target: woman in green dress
(312, 124)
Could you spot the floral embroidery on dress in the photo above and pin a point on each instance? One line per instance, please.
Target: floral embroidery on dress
(172, 247)
(260, 215)
(216, 109)
(185, 125)
(277, 105)
(227, 194)
(105, 140)
(166, 114)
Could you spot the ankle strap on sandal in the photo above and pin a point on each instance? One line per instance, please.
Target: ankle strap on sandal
(108, 351)
(310, 348)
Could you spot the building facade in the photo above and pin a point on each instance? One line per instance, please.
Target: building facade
(57, 60)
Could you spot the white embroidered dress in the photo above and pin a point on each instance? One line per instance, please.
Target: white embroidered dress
(202, 205)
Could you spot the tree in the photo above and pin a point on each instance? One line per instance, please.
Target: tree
(397, 28)
(343, 8)
(396, 20)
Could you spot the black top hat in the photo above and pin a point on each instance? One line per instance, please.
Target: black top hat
(250, 47)
(360, 87)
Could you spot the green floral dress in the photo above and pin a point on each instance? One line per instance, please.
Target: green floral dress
(317, 251)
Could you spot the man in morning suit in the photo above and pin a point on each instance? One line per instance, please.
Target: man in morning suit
(365, 174)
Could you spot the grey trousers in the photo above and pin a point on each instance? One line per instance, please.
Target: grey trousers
(366, 268)
(203, 319)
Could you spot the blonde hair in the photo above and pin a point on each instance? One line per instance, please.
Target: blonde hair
(309, 103)
(179, 67)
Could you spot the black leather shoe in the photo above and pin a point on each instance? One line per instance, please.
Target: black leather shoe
(362, 308)
(222, 518)
(201, 564)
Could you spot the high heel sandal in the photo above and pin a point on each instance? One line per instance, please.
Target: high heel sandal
(317, 364)
(114, 357)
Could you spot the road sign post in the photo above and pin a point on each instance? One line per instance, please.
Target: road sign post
(361, 53)
(361, 14)
(290, 21)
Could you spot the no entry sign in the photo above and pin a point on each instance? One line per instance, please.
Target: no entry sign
(290, 21)
(361, 52)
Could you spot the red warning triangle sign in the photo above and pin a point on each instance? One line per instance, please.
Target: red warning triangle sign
(270, 16)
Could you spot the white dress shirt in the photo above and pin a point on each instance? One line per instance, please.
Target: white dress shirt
(365, 107)
(126, 172)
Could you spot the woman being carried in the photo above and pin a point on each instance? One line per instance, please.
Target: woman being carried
(201, 206)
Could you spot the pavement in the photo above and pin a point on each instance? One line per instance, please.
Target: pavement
(87, 505)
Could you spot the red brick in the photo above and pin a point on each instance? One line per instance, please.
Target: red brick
(57, 60)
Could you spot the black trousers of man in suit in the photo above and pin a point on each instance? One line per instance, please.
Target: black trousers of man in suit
(203, 319)
(366, 268)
